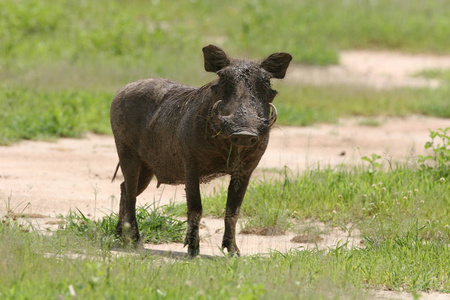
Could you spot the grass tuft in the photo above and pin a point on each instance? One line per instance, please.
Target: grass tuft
(156, 225)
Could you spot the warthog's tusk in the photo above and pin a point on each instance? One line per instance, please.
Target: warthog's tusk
(215, 109)
(273, 117)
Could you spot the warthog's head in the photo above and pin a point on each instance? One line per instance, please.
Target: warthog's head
(243, 109)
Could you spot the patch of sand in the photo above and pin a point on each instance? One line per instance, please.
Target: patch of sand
(374, 69)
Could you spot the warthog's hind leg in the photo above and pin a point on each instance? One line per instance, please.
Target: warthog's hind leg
(137, 176)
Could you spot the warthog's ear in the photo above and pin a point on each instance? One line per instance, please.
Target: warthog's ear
(215, 58)
(277, 64)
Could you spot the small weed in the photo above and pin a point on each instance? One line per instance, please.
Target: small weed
(439, 162)
(15, 219)
(374, 165)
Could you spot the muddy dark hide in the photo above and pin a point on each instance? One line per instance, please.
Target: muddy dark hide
(182, 134)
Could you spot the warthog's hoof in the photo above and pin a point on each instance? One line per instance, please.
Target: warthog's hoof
(232, 248)
(193, 253)
(127, 234)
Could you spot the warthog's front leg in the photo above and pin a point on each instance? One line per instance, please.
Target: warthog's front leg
(194, 212)
(236, 191)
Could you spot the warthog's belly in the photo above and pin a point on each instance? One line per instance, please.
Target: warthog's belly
(172, 172)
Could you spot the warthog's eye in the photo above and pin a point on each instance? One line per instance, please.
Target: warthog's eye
(265, 90)
(215, 87)
(272, 94)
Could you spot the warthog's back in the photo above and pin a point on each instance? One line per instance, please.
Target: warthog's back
(134, 105)
(146, 117)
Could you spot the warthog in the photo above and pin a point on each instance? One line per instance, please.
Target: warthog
(182, 134)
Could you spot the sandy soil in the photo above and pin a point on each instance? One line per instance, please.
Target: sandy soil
(47, 179)
(374, 69)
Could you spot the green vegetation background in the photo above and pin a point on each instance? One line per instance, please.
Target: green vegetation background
(62, 61)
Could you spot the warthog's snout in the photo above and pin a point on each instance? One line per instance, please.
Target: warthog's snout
(244, 138)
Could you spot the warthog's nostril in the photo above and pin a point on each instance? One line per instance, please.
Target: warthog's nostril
(244, 138)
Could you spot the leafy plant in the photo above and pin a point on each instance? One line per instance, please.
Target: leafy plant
(373, 162)
(439, 162)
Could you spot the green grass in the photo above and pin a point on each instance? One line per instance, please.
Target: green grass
(61, 62)
(31, 114)
(105, 44)
(304, 105)
(131, 32)
(42, 114)
(43, 267)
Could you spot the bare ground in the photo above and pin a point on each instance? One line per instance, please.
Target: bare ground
(374, 69)
(46, 179)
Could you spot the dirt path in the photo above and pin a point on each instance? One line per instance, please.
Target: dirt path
(50, 178)
(374, 69)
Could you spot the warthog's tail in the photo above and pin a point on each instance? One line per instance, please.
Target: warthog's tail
(115, 172)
